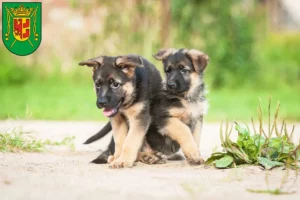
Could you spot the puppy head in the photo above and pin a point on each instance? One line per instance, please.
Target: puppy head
(183, 68)
(113, 80)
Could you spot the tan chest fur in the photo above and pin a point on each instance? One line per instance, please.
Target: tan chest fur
(189, 111)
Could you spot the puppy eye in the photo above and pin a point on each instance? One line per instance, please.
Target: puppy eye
(115, 85)
(168, 70)
(97, 85)
(183, 70)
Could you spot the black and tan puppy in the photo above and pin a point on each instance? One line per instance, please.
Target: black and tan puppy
(177, 111)
(124, 85)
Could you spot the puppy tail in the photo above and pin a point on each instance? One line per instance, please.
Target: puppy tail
(104, 131)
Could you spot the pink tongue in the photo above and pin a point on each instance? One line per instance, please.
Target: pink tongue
(108, 112)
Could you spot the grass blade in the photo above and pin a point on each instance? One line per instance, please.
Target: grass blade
(275, 120)
(269, 117)
(253, 126)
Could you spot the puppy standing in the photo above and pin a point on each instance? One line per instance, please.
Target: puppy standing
(124, 86)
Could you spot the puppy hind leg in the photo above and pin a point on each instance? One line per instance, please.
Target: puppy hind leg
(152, 158)
(181, 133)
(176, 157)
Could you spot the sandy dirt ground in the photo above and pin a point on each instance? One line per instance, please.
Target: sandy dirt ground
(64, 174)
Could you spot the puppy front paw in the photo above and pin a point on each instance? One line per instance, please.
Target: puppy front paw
(195, 159)
(120, 163)
(110, 159)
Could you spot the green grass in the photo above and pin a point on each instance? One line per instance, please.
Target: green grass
(51, 101)
(58, 100)
(18, 140)
(241, 104)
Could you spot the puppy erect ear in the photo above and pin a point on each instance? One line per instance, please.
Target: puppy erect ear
(128, 63)
(164, 53)
(199, 59)
(93, 62)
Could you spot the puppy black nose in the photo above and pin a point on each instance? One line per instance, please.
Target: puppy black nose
(101, 102)
(171, 84)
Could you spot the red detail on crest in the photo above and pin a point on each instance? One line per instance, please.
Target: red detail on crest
(18, 27)
(26, 25)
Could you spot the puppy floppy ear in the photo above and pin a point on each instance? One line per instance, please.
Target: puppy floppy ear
(164, 53)
(128, 64)
(199, 59)
(93, 62)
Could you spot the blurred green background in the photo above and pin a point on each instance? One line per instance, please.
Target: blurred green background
(254, 52)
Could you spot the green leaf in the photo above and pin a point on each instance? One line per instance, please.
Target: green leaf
(286, 149)
(240, 140)
(276, 143)
(258, 140)
(252, 150)
(268, 152)
(283, 157)
(224, 162)
(268, 164)
(214, 157)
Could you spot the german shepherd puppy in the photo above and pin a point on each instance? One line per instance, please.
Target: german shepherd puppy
(124, 85)
(177, 111)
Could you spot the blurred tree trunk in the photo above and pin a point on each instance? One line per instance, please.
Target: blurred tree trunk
(272, 15)
(138, 21)
(165, 25)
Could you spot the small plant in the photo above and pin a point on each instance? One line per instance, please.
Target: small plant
(18, 140)
(274, 192)
(67, 141)
(258, 148)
